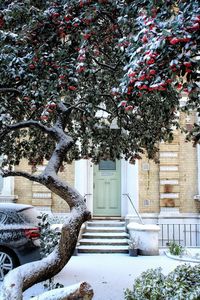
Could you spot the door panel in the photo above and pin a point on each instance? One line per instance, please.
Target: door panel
(107, 188)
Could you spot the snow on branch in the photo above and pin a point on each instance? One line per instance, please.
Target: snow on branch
(8, 173)
(77, 291)
(29, 123)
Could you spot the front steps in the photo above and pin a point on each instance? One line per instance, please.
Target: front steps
(104, 236)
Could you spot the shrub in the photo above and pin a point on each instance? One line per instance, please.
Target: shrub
(48, 238)
(181, 284)
(175, 249)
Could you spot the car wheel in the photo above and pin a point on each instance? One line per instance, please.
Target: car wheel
(7, 263)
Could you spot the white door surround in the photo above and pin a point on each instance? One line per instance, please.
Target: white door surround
(129, 184)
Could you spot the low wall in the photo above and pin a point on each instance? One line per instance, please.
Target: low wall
(147, 237)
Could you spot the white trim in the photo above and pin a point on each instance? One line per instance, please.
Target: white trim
(129, 183)
(169, 195)
(84, 180)
(8, 186)
(168, 154)
(168, 168)
(198, 167)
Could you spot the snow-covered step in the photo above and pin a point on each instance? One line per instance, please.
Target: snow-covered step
(106, 224)
(105, 229)
(104, 236)
(102, 249)
(104, 241)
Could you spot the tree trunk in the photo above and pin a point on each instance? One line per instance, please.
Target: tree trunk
(25, 276)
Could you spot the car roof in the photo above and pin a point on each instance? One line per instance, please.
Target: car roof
(14, 206)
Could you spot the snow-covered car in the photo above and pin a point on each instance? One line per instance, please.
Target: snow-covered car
(19, 236)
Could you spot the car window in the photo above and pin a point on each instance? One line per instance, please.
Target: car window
(2, 217)
(13, 218)
(30, 215)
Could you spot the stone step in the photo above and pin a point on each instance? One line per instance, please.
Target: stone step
(103, 235)
(105, 224)
(105, 229)
(102, 249)
(95, 241)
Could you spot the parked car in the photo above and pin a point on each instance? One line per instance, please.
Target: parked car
(19, 236)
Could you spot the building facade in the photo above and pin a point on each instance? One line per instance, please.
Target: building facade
(168, 190)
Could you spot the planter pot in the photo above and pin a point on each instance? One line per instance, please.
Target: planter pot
(133, 252)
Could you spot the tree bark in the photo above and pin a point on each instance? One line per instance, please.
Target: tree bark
(82, 291)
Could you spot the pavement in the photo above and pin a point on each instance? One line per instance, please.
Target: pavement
(108, 274)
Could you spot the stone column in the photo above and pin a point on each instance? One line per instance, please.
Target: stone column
(7, 189)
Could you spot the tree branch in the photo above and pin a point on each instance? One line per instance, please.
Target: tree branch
(9, 90)
(103, 65)
(65, 142)
(77, 291)
(30, 123)
(8, 173)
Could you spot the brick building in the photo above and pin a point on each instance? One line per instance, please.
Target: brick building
(165, 191)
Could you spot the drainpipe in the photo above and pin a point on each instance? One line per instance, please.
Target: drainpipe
(198, 167)
(197, 197)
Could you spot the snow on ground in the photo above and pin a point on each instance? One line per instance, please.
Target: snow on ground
(109, 274)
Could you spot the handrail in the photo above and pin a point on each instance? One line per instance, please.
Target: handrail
(127, 195)
(85, 195)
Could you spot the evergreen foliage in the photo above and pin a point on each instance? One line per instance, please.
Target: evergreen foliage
(125, 60)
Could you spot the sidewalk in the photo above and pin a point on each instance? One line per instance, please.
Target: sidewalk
(108, 274)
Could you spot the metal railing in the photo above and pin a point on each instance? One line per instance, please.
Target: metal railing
(183, 234)
(133, 206)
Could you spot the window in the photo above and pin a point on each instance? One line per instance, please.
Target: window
(107, 165)
(2, 217)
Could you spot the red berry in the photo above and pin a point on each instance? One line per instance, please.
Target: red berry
(81, 69)
(132, 74)
(52, 105)
(55, 15)
(1, 22)
(187, 64)
(142, 77)
(152, 72)
(174, 41)
(150, 61)
(43, 117)
(71, 88)
(81, 3)
(122, 103)
(169, 81)
(86, 36)
(179, 86)
(26, 98)
(31, 66)
(128, 108)
(67, 18)
(144, 39)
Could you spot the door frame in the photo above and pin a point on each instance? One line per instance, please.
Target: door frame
(83, 182)
(118, 196)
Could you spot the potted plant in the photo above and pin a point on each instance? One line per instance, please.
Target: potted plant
(133, 246)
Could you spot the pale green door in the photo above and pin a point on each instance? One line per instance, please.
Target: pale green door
(107, 188)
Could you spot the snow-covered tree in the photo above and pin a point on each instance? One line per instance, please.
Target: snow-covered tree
(97, 79)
